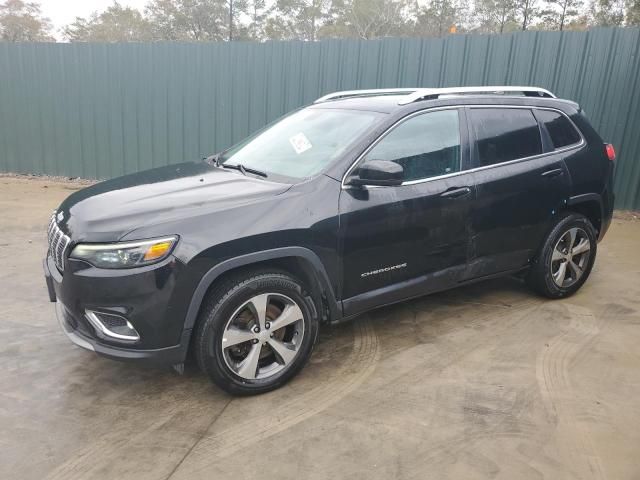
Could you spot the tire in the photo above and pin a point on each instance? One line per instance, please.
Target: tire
(257, 357)
(561, 246)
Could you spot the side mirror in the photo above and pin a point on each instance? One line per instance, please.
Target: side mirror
(380, 173)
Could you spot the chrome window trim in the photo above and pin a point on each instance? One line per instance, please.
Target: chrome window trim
(575, 146)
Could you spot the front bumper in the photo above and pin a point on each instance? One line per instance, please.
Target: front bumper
(67, 293)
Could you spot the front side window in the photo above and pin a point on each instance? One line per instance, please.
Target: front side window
(560, 129)
(301, 144)
(505, 134)
(425, 146)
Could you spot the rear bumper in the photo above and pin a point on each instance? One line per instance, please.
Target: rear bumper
(606, 223)
(607, 213)
(82, 334)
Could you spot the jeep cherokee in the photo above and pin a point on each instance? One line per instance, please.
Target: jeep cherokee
(362, 199)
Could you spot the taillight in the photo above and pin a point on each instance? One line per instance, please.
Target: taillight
(611, 152)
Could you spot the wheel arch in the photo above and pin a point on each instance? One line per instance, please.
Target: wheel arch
(590, 205)
(299, 261)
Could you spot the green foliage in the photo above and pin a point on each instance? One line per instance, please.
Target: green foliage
(632, 16)
(495, 16)
(607, 13)
(297, 19)
(526, 11)
(439, 16)
(115, 24)
(310, 20)
(368, 19)
(189, 20)
(256, 12)
(560, 13)
(23, 22)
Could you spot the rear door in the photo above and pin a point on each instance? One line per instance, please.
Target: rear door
(521, 186)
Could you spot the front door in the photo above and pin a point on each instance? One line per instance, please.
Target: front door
(403, 241)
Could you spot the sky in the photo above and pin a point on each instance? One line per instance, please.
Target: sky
(63, 12)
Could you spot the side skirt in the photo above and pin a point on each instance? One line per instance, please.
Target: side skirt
(414, 288)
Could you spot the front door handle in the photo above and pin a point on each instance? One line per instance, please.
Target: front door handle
(556, 172)
(456, 192)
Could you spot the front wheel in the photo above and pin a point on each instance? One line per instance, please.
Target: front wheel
(255, 333)
(566, 258)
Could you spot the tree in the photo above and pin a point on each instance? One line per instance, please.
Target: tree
(581, 22)
(495, 16)
(236, 8)
(257, 12)
(115, 24)
(23, 22)
(297, 19)
(368, 19)
(190, 20)
(527, 11)
(632, 16)
(439, 16)
(561, 12)
(607, 13)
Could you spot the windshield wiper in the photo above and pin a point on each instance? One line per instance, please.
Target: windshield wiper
(243, 169)
(213, 159)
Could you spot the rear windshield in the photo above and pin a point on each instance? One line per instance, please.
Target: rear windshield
(303, 143)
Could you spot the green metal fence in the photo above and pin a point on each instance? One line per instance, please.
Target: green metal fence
(102, 110)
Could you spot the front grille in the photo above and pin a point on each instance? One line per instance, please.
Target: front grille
(58, 243)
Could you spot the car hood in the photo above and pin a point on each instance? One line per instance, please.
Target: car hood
(108, 210)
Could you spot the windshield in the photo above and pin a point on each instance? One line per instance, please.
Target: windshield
(301, 144)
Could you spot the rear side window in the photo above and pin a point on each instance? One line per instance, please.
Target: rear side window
(560, 129)
(505, 134)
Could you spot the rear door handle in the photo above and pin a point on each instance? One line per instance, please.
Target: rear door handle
(553, 173)
(456, 192)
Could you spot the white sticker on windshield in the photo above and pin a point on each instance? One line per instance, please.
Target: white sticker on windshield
(300, 143)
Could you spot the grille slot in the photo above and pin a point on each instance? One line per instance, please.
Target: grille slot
(58, 243)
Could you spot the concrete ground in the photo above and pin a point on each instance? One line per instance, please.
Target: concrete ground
(487, 381)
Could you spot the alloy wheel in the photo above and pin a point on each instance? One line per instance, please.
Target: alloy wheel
(263, 336)
(570, 257)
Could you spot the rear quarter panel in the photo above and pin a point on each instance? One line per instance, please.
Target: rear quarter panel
(589, 167)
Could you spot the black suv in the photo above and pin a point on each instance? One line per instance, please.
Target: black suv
(362, 199)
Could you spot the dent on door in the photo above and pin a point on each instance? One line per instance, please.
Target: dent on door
(515, 206)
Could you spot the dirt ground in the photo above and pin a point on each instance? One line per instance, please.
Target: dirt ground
(486, 381)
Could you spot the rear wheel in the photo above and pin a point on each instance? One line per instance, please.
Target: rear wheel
(566, 258)
(255, 333)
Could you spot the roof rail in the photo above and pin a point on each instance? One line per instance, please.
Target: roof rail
(433, 93)
(365, 93)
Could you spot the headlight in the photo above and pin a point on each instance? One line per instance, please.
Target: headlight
(125, 254)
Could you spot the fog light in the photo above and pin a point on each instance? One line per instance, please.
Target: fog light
(111, 326)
